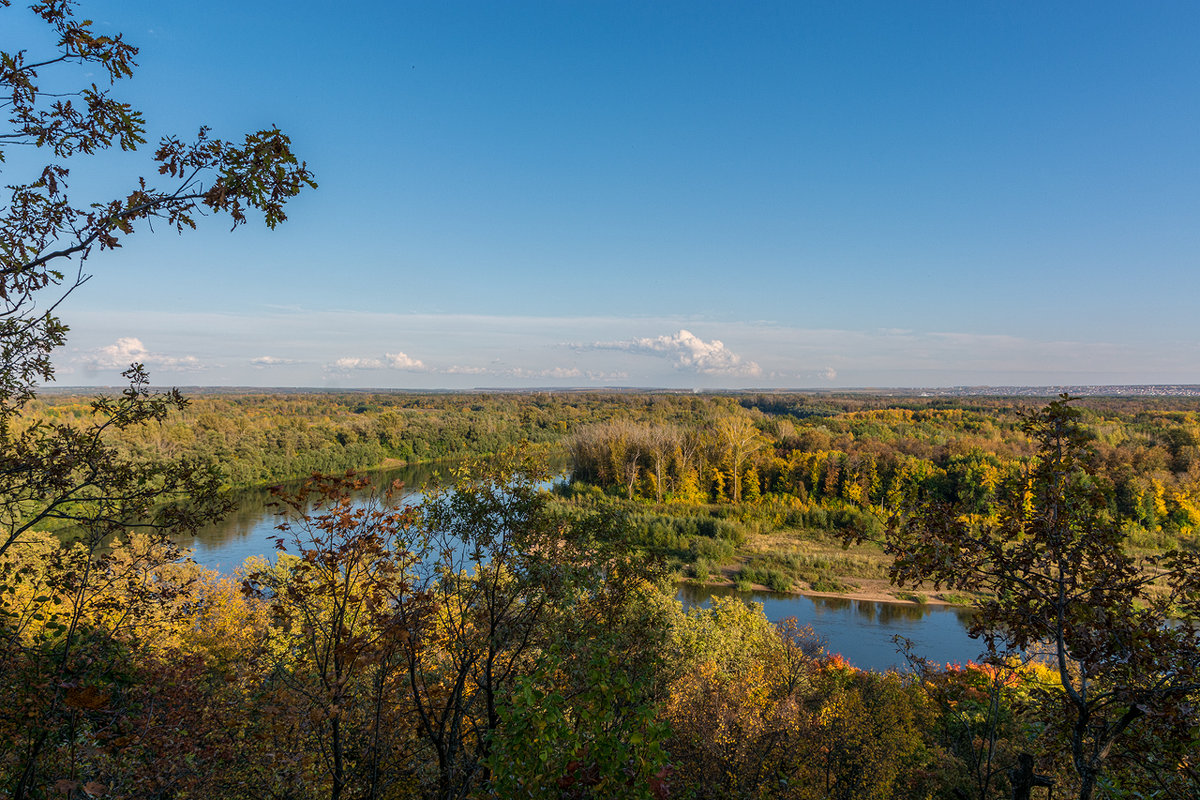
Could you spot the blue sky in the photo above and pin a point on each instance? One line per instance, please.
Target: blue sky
(692, 194)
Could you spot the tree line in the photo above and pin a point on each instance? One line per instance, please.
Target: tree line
(873, 459)
(829, 452)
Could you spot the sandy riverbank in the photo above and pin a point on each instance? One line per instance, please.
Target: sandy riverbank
(876, 591)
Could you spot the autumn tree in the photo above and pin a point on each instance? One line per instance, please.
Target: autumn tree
(741, 439)
(342, 600)
(759, 711)
(976, 720)
(732, 708)
(57, 120)
(75, 626)
(1058, 580)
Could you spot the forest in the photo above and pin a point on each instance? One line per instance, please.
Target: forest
(502, 640)
(753, 490)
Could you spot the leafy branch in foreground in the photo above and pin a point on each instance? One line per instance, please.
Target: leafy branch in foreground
(41, 227)
(75, 476)
(58, 472)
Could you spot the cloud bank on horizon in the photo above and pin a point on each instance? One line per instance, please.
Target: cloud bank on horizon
(463, 352)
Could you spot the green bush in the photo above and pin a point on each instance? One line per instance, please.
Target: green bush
(774, 579)
(716, 550)
(686, 537)
(824, 583)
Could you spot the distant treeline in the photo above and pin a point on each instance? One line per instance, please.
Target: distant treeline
(261, 438)
(823, 454)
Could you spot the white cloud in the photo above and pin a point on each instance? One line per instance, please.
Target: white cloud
(827, 374)
(519, 372)
(272, 361)
(129, 350)
(122, 353)
(389, 361)
(402, 361)
(688, 352)
(357, 363)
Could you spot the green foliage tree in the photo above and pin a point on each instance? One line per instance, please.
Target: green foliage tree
(586, 721)
(1059, 581)
(502, 569)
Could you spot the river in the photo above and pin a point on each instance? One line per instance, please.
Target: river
(862, 631)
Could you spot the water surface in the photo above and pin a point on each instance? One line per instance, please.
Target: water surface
(861, 630)
(247, 530)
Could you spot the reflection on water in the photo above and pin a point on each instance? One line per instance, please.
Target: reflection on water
(883, 613)
(862, 631)
(246, 531)
(888, 613)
